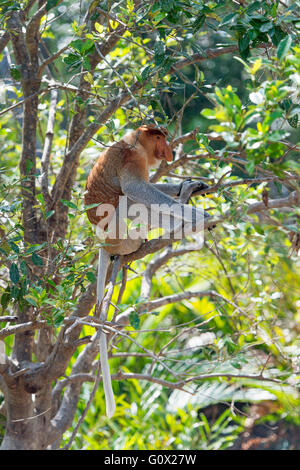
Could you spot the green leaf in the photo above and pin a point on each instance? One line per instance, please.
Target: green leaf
(73, 61)
(72, 58)
(199, 22)
(49, 214)
(34, 248)
(258, 229)
(99, 28)
(51, 4)
(52, 283)
(134, 320)
(276, 34)
(253, 6)
(156, 313)
(15, 72)
(40, 198)
(5, 298)
(58, 320)
(69, 204)
(23, 268)
(208, 113)
(146, 72)
(266, 26)
(250, 167)
(37, 260)
(159, 52)
(15, 292)
(202, 139)
(293, 121)
(236, 365)
(83, 47)
(244, 43)
(91, 276)
(14, 273)
(286, 105)
(86, 63)
(229, 19)
(14, 247)
(30, 299)
(284, 47)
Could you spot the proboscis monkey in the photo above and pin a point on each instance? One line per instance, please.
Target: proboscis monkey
(123, 170)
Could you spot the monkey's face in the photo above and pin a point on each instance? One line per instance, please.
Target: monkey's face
(155, 142)
(162, 150)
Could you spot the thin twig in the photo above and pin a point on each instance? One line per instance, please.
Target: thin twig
(22, 327)
(84, 413)
(51, 59)
(159, 261)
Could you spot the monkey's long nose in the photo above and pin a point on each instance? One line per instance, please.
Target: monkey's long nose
(168, 154)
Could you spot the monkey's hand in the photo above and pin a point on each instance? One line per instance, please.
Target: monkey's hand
(190, 188)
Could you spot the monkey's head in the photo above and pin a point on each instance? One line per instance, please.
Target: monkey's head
(154, 140)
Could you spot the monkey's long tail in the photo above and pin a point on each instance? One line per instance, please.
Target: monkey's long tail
(108, 391)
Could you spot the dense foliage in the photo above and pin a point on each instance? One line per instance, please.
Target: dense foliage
(212, 348)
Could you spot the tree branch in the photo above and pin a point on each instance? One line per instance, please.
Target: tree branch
(292, 200)
(47, 146)
(149, 306)
(4, 40)
(181, 383)
(21, 102)
(51, 59)
(159, 261)
(32, 33)
(209, 54)
(22, 327)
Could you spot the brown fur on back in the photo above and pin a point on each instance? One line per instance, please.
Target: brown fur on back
(132, 151)
(99, 188)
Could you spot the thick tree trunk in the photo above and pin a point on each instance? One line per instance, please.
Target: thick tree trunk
(21, 426)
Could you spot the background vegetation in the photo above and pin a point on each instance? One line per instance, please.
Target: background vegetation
(209, 358)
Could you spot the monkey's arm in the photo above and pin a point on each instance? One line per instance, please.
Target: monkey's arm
(175, 190)
(139, 190)
(146, 193)
(170, 189)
